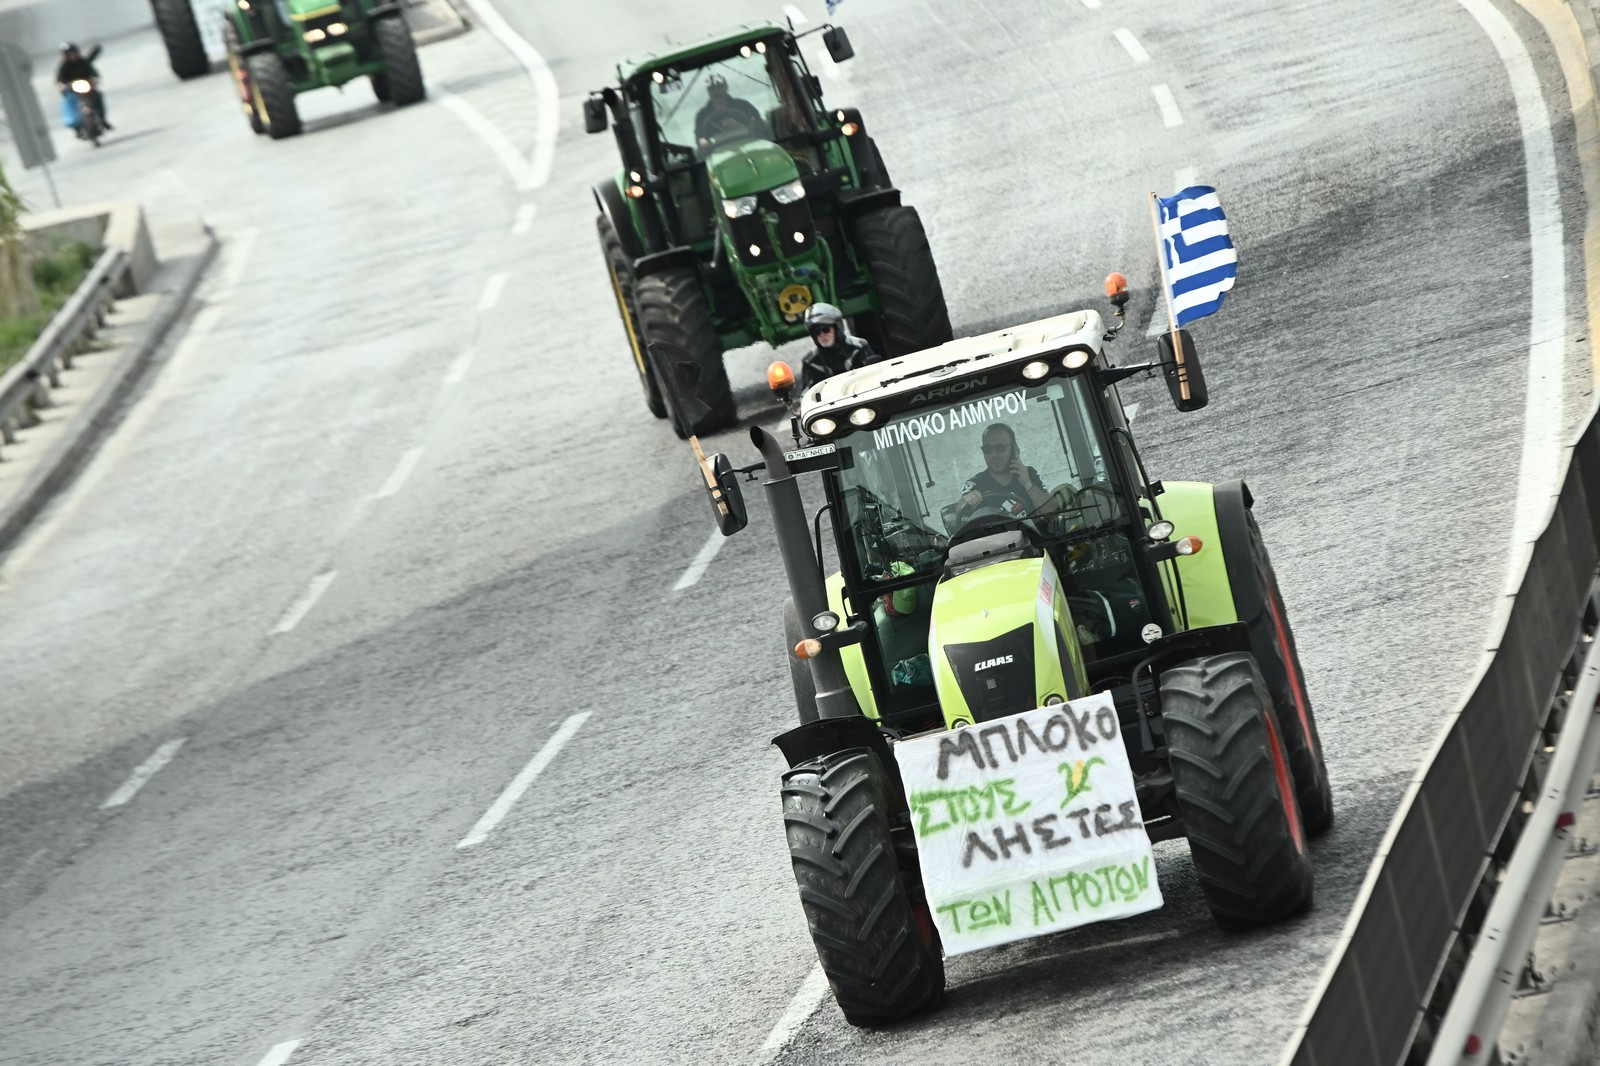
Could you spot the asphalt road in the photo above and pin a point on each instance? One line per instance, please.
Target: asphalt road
(504, 527)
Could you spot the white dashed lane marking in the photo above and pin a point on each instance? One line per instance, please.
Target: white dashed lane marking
(302, 607)
(144, 772)
(519, 785)
(1169, 106)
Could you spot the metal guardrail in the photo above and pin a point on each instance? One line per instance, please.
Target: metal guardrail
(1431, 894)
(25, 388)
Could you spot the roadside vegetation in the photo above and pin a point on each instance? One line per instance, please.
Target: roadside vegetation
(32, 288)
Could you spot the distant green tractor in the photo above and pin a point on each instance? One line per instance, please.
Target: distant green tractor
(278, 48)
(743, 199)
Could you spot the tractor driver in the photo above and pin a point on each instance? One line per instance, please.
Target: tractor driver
(724, 114)
(834, 350)
(1005, 481)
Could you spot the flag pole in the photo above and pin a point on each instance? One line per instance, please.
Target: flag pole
(1166, 298)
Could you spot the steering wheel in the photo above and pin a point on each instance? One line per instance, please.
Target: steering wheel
(1096, 503)
(989, 512)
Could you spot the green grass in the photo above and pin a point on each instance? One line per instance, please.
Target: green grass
(56, 275)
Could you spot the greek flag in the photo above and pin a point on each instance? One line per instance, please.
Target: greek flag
(1200, 260)
(833, 5)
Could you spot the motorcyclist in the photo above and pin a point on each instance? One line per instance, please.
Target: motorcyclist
(724, 114)
(834, 349)
(73, 66)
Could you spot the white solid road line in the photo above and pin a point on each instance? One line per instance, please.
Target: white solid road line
(1547, 278)
(796, 16)
(697, 568)
(514, 791)
(489, 134)
(523, 221)
(491, 292)
(802, 1006)
(1169, 106)
(302, 607)
(1126, 38)
(280, 1053)
(144, 772)
(545, 91)
(458, 369)
(408, 463)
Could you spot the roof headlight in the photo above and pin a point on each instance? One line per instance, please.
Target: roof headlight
(739, 206)
(1076, 359)
(1035, 370)
(761, 47)
(823, 427)
(790, 193)
(862, 416)
(658, 77)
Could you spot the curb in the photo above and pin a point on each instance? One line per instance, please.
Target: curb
(89, 424)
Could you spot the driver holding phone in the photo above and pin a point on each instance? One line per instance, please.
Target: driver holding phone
(1005, 481)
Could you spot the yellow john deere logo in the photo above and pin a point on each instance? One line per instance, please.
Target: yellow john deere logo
(794, 300)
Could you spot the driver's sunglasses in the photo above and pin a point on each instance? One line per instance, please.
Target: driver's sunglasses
(987, 448)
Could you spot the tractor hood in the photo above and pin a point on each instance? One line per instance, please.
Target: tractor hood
(751, 167)
(301, 10)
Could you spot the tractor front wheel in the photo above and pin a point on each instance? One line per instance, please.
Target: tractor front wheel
(1235, 791)
(684, 351)
(621, 273)
(180, 33)
(273, 94)
(402, 75)
(912, 316)
(879, 950)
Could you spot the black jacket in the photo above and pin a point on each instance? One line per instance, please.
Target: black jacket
(851, 353)
(83, 67)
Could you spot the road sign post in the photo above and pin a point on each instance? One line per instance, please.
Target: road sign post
(24, 115)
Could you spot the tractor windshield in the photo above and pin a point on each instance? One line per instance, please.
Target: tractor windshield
(921, 480)
(748, 94)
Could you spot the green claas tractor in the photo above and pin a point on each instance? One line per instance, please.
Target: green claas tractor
(741, 200)
(278, 48)
(1012, 585)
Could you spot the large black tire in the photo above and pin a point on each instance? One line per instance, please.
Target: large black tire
(805, 686)
(1235, 791)
(274, 94)
(186, 52)
(620, 270)
(878, 948)
(1260, 606)
(241, 76)
(891, 243)
(402, 76)
(684, 351)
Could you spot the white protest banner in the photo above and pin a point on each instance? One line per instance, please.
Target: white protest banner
(1028, 825)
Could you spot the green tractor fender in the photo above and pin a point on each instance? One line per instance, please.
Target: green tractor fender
(1216, 580)
(621, 213)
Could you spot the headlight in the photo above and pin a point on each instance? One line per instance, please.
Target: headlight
(823, 427)
(337, 28)
(1076, 359)
(81, 86)
(739, 206)
(1036, 370)
(313, 36)
(790, 193)
(862, 416)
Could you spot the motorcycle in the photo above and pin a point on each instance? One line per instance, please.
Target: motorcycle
(78, 99)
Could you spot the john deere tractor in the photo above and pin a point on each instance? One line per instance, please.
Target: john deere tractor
(279, 48)
(1011, 585)
(742, 199)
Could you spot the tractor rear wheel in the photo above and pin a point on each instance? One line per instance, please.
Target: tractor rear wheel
(684, 351)
(1272, 643)
(892, 244)
(402, 74)
(805, 688)
(186, 52)
(1235, 791)
(273, 93)
(621, 273)
(241, 78)
(877, 947)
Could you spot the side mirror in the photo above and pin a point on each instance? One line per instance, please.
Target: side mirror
(838, 43)
(722, 486)
(1185, 380)
(595, 119)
